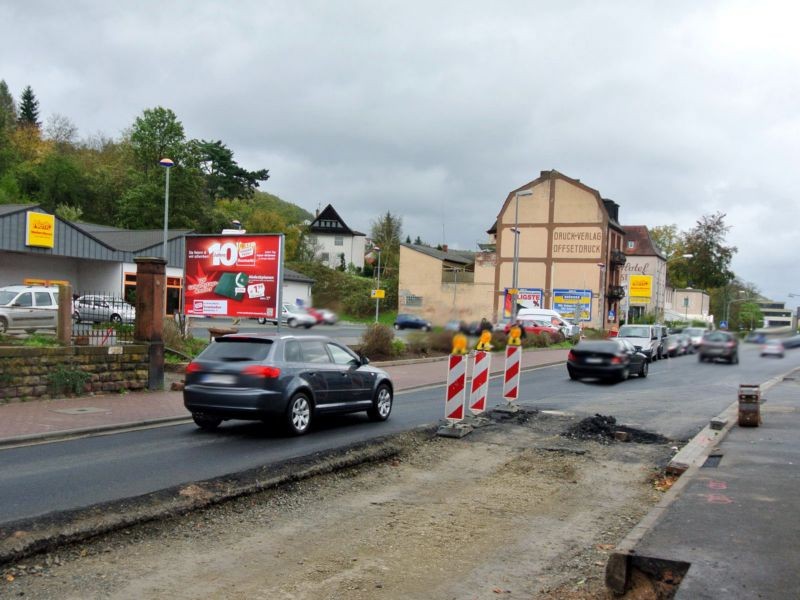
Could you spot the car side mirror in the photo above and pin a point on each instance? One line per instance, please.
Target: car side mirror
(364, 359)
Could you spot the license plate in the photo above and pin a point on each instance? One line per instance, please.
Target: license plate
(594, 361)
(218, 379)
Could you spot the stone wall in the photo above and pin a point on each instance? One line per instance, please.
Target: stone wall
(41, 373)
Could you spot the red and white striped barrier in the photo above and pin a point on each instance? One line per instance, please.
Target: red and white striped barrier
(480, 382)
(456, 388)
(511, 375)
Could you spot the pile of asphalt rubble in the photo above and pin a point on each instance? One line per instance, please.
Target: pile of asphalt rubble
(604, 429)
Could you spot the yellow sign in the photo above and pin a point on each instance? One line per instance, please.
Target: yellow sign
(378, 294)
(640, 288)
(513, 291)
(40, 230)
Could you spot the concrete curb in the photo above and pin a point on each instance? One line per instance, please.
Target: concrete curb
(685, 463)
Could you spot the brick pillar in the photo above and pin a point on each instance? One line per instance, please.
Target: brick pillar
(64, 327)
(151, 281)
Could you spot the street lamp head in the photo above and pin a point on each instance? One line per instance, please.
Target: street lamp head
(166, 162)
(523, 193)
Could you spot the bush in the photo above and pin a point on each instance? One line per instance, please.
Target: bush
(418, 343)
(377, 341)
(441, 341)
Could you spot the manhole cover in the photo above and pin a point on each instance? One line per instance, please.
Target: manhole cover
(80, 411)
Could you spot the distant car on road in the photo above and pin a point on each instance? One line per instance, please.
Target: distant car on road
(719, 344)
(773, 348)
(282, 378)
(102, 309)
(323, 315)
(613, 359)
(645, 338)
(293, 316)
(409, 321)
(695, 334)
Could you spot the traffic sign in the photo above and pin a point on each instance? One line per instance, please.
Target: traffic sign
(378, 294)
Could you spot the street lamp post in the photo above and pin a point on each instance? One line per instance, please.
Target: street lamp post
(728, 306)
(378, 288)
(515, 264)
(167, 163)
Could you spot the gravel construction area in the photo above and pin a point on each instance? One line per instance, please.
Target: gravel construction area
(525, 506)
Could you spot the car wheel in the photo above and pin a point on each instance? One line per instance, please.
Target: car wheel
(3, 325)
(426, 328)
(624, 374)
(116, 319)
(76, 316)
(735, 359)
(261, 321)
(397, 327)
(572, 374)
(645, 368)
(292, 323)
(308, 325)
(381, 404)
(298, 414)
(205, 422)
(700, 358)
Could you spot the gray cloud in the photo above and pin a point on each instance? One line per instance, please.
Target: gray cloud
(435, 111)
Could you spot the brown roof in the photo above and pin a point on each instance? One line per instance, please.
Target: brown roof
(643, 243)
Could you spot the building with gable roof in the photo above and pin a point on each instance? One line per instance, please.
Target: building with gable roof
(335, 242)
(99, 258)
(570, 249)
(645, 260)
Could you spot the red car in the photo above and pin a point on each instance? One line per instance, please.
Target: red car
(533, 327)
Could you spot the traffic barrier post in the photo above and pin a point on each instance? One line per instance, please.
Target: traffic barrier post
(480, 381)
(456, 390)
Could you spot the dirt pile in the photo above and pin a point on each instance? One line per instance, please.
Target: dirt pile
(604, 429)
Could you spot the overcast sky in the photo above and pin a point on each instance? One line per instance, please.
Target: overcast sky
(436, 110)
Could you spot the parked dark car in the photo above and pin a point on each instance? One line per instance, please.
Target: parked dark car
(718, 344)
(407, 321)
(673, 345)
(614, 359)
(282, 378)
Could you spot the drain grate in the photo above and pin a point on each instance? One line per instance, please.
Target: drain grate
(712, 461)
(81, 411)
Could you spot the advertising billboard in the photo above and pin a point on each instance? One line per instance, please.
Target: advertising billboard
(575, 305)
(526, 298)
(641, 288)
(233, 275)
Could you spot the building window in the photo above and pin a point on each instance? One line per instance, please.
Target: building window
(631, 244)
(325, 257)
(413, 300)
(338, 240)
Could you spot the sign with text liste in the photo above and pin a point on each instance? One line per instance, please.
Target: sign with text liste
(233, 275)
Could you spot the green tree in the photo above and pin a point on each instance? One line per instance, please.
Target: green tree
(157, 134)
(28, 109)
(386, 233)
(8, 108)
(61, 181)
(710, 263)
(748, 316)
(224, 178)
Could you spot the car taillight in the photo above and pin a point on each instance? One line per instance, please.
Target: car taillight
(730, 345)
(571, 355)
(262, 371)
(193, 367)
(616, 360)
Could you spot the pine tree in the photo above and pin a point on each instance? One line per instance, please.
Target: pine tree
(29, 108)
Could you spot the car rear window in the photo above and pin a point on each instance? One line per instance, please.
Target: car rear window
(237, 349)
(718, 336)
(640, 332)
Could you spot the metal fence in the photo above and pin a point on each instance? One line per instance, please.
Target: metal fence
(101, 319)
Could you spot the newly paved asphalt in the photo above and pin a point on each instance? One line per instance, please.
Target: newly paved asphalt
(731, 527)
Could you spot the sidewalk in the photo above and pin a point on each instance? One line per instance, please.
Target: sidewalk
(734, 521)
(37, 420)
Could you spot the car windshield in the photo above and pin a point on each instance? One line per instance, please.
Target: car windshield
(6, 297)
(233, 349)
(634, 331)
(694, 331)
(717, 336)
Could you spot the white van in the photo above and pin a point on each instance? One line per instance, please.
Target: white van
(551, 316)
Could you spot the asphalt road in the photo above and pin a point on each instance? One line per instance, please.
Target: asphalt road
(676, 400)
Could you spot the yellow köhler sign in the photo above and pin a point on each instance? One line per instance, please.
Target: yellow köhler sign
(40, 230)
(641, 288)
